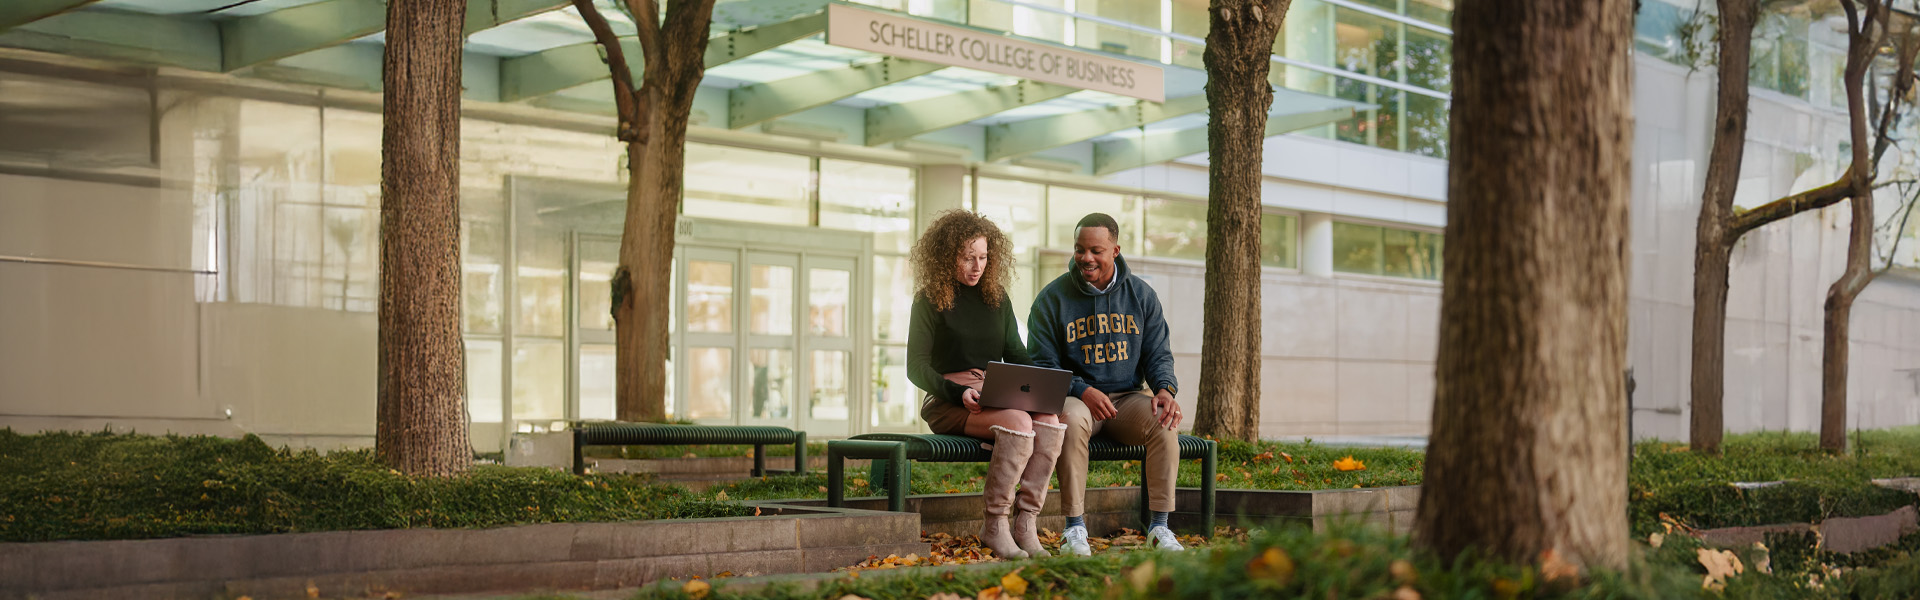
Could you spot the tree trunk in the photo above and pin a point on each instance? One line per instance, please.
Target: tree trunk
(654, 125)
(422, 427)
(1713, 248)
(1834, 344)
(1239, 48)
(1527, 453)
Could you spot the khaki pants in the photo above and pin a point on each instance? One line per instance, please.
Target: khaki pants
(1135, 425)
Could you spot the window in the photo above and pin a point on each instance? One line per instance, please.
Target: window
(748, 185)
(868, 197)
(1375, 250)
(1279, 241)
(1176, 229)
(1065, 207)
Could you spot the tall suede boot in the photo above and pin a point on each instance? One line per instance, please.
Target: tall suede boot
(1011, 450)
(1047, 440)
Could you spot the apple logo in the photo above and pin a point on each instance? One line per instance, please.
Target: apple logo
(1026, 387)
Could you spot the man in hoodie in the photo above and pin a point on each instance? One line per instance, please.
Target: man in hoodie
(1104, 324)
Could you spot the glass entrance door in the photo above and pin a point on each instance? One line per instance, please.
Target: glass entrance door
(762, 334)
(827, 345)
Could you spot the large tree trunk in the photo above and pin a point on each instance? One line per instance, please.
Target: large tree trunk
(1713, 249)
(1239, 48)
(1527, 453)
(422, 427)
(1834, 344)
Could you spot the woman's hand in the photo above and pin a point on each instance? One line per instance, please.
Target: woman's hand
(971, 399)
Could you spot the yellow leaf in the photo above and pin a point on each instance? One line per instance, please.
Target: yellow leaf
(1012, 584)
(1403, 571)
(1220, 477)
(1349, 464)
(991, 593)
(1273, 565)
(1505, 589)
(1655, 539)
(1142, 577)
(722, 496)
(1552, 567)
(1720, 565)
(313, 591)
(697, 589)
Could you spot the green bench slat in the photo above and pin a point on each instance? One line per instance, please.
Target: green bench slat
(660, 434)
(884, 447)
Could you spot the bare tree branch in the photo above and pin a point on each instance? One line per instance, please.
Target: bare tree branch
(646, 24)
(623, 100)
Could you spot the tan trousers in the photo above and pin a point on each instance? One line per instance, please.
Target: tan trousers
(1134, 426)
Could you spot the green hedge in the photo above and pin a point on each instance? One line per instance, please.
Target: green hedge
(68, 486)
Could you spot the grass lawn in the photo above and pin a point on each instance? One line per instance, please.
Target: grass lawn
(1344, 562)
(68, 486)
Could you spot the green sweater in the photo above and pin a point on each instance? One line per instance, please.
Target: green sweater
(967, 336)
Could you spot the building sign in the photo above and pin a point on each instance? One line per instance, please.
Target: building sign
(894, 34)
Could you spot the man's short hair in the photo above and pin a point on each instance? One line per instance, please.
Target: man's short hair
(1100, 220)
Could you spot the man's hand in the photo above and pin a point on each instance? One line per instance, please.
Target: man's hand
(971, 399)
(1166, 410)
(1098, 404)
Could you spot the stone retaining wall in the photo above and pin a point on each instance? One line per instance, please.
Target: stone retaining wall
(557, 556)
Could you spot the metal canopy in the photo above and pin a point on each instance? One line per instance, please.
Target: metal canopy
(765, 57)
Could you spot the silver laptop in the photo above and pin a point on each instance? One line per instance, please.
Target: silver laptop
(1032, 389)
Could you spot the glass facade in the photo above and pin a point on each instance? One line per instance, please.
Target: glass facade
(1386, 251)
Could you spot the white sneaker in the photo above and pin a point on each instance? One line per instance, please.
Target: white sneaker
(1164, 539)
(1073, 541)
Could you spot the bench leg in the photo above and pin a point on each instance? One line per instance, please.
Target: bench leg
(1207, 468)
(579, 458)
(759, 460)
(800, 455)
(1146, 513)
(897, 479)
(836, 478)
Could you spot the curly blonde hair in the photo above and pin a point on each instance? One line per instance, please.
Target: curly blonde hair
(936, 258)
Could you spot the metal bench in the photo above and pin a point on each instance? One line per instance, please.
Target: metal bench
(657, 434)
(891, 452)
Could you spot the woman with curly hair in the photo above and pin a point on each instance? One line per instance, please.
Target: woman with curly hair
(961, 321)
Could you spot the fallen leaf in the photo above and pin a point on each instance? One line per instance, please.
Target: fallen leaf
(1720, 565)
(1220, 477)
(722, 496)
(1553, 568)
(1268, 455)
(1405, 593)
(1012, 584)
(756, 511)
(823, 489)
(697, 589)
(1403, 571)
(1289, 457)
(1349, 464)
(946, 596)
(852, 597)
(1273, 565)
(991, 593)
(1655, 539)
(1506, 589)
(313, 591)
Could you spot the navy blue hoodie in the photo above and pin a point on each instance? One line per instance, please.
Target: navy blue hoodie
(1111, 340)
